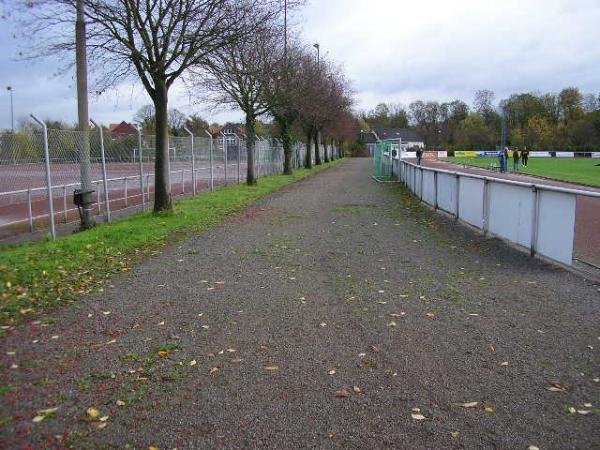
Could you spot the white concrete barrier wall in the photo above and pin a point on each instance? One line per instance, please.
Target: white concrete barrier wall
(446, 192)
(429, 187)
(511, 211)
(556, 225)
(539, 218)
(470, 202)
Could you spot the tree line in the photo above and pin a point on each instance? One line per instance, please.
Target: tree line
(236, 53)
(568, 120)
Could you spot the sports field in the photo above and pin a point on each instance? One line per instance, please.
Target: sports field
(581, 170)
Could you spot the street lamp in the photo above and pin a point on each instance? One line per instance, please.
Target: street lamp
(12, 116)
(317, 46)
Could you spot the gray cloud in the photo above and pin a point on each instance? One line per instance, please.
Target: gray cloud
(392, 50)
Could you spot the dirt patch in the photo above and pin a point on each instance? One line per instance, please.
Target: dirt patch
(254, 212)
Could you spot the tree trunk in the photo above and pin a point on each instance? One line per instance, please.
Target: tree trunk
(317, 149)
(286, 139)
(308, 159)
(162, 179)
(250, 146)
(326, 151)
(87, 216)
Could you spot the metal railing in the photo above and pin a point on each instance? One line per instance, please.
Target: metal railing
(37, 185)
(555, 222)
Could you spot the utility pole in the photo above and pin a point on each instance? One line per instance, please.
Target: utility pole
(12, 115)
(87, 219)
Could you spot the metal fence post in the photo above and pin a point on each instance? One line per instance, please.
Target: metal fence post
(212, 186)
(486, 207)
(29, 210)
(65, 203)
(239, 155)
(457, 196)
(104, 179)
(435, 188)
(224, 155)
(48, 177)
(257, 156)
(193, 160)
(139, 132)
(535, 220)
(126, 192)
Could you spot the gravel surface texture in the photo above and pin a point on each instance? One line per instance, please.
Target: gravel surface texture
(337, 313)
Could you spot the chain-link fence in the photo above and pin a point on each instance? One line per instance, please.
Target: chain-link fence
(122, 172)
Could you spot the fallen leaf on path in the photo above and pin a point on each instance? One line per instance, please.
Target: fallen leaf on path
(533, 447)
(213, 370)
(375, 349)
(331, 372)
(231, 350)
(430, 314)
(193, 362)
(454, 434)
(342, 394)
(489, 409)
(162, 353)
(583, 412)
(469, 404)
(391, 324)
(356, 389)
(120, 403)
(44, 414)
(505, 363)
(418, 416)
(272, 368)
(323, 324)
(92, 413)
(555, 387)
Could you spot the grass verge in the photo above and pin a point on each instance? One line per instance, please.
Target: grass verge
(36, 277)
(577, 170)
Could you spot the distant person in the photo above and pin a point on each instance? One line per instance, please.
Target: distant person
(501, 160)
(505, 159)
(419, 155)
(524, 157)
(516, 159)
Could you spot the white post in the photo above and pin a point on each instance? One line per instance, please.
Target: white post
(141, 166)
(48, 177)
(104, 178)
(193, 160)
(212, 186)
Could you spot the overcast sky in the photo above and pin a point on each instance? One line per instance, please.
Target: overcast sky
(391, 50)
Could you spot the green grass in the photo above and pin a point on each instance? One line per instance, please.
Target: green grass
(36, 277)
(580, 170)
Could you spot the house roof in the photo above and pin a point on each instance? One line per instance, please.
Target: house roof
(406, 134)
(122, 128)
(368, 137)
(238, 129)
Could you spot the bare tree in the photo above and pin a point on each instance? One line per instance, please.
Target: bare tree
(157, 41)
(239, 75)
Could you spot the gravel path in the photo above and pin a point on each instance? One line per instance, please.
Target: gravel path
(240, 337)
